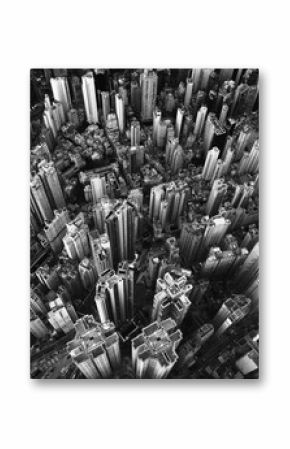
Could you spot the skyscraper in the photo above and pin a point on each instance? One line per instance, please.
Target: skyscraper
(53, 115)
(95, 349)
(122, 228)
(61, 93)
(171, 298)
(90, 98)
(114, 297)
(50, 180)
(177, 159)
(56, 230)
(106, 104)
(101, 251)
(154, 350)
(120, 111)
(148, 82)
(247, 276)
(135, 133)
(98, 186)
(157, 115)
(196, 75)
(100, 211)
(233, 309)
(217, 193)
(39, 201)
(215, 230)
(76, 241)
(167, 202)
(188, 92)
(60, 316)
(88, 273)
(214, 133)
(37, 328)
(136, 97)
(200, 120)
(178, 121)
(190, 241)
(210, 163)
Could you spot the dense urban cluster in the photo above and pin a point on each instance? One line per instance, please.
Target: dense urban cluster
(144, 223)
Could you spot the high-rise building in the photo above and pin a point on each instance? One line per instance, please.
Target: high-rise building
(210, 163)
(190, 241)
(171, 298)
(39, 200)
(171, 145)
(205, 78)
(176, 159)
(249, 162)
(215, 230)
(51, 183)
(148, 82)
(48, 276)
(136, 97)
(216, 196)
(223, 114)
(233, 309)
(196, 75)
(122, 228)
(101, 251)
(56, 230)
(135, 133)
(76, 92)
(88, 273)
(200, 121)
(61, 93)
(98, 186)
(242, 194)
(187, 125)
(106, 108)
(37, 305)
(167, 202)
(115, 294)
(157, 116)
(135, 158)
(120, 111)
(157, 194)
(90, 98)
(214, 133)
(248, 273)
(76, 241)
(154, 350)
(161, 134)
(100, 211)
(135, 197)
(38, 329)
(227, 158)
(95, 349)
(61, 316)
(178, 121)
(222, 263)
(53, 115)
(188, 92)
